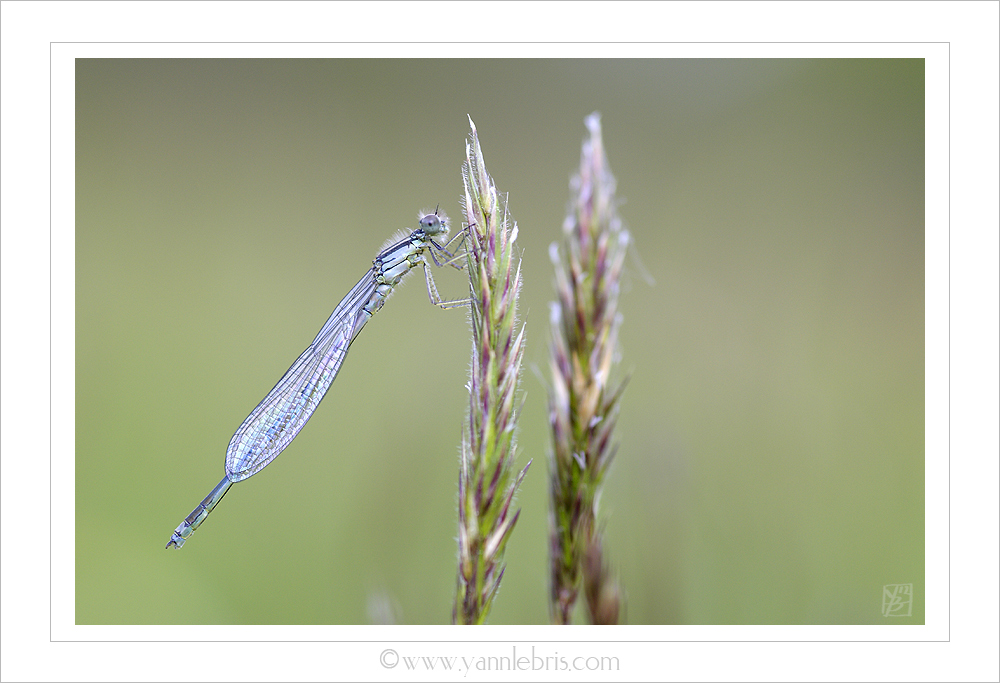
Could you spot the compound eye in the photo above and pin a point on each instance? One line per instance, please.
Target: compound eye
(430, 222)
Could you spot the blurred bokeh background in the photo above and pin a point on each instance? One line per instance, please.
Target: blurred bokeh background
(771, 461)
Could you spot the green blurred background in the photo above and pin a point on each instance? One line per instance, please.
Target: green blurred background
(771, 462)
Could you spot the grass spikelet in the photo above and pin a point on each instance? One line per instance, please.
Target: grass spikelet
(583, 406)
(488, 479)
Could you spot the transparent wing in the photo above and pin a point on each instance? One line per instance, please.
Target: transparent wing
(288, 406)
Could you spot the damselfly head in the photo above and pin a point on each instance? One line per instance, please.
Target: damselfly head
(435, 223)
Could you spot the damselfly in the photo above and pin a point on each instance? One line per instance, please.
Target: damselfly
(288, 406)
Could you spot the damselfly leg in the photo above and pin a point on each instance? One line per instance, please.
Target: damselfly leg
(455, 260)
